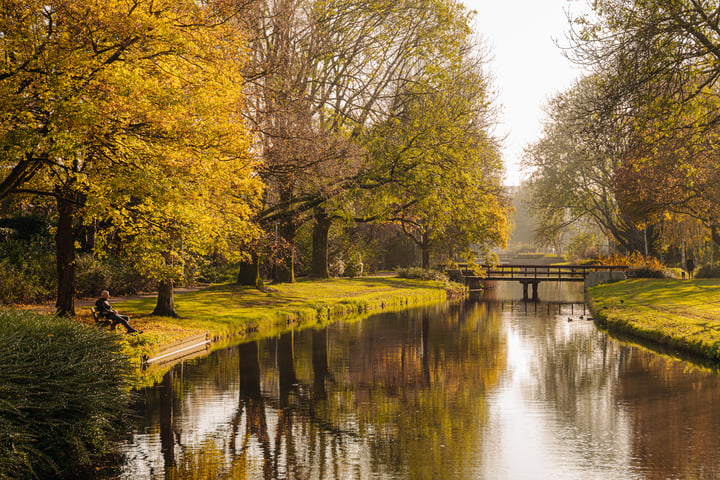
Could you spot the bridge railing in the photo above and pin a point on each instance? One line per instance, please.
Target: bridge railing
(519, 272)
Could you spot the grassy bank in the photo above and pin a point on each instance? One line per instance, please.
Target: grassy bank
(232, 311)
(680, 314)
(63, 394)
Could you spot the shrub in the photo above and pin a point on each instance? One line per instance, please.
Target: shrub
(638, 265)
(23, 286)
(354, 267)
(126, 280)
(27, 270)
(644, 273)
(337, 268)
(93, 276)
(421, 274)
(706, 271)
(63, 390)
(120, 278)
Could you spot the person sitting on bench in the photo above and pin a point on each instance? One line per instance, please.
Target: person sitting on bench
(103, 306)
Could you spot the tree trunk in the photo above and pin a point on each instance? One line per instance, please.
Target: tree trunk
(65, 255)
(425, 247)
(715, 234)
(250, 273)
(321, 230)
(285, 271)
(165, 306)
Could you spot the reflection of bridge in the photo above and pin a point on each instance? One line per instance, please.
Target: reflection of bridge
(531, 274)
(553, 307)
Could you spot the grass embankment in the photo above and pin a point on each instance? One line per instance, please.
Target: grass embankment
(231, 310)
(63, 394)
(680, 314)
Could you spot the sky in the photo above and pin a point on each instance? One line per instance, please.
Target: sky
(529, 68)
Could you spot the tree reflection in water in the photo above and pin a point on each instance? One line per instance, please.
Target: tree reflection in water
(465, 390)
(393, 396)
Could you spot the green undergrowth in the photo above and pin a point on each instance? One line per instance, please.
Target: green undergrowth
(231, 311)
(679, 314)
(63, 393)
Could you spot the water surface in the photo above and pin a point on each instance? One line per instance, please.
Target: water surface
(483, 389)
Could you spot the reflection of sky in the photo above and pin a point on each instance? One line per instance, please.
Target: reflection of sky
(529, 435)
(204, 415)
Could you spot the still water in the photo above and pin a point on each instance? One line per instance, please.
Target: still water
(489, 389)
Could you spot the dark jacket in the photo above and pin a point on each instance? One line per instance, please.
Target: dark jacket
(103, 306)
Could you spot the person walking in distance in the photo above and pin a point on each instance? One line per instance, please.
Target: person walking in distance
(690, 265)
(103, 306)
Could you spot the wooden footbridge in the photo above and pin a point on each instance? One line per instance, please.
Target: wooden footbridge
(530, 275)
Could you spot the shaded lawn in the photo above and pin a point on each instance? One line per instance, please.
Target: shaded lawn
(683, 314)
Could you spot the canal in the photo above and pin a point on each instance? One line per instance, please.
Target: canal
(489, 388)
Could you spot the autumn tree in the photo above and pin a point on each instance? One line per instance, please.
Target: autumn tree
(328, 72)
(663, 62)
(437, 170)
(190, 189)
(573, 167)
(92, 88)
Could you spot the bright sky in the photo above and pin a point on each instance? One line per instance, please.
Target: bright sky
(528, 66)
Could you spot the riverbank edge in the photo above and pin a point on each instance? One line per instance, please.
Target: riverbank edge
(668, 321)
(275, 321)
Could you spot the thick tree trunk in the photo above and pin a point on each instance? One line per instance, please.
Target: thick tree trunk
(425, 247)
(321, 230)
(715, 234)
(165, 306)
(425, 257)
(65, 255)
(250, 273)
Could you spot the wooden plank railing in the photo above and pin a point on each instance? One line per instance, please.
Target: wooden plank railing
(567, 273)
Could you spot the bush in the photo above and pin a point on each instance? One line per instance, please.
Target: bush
(421, 274)
(128, 281)
(638, 265)
(354, 267)
(644, 273)
(706, 271)
(93, 276)
(63, 390)
(27, 270)
(337, 268)
(23, 286)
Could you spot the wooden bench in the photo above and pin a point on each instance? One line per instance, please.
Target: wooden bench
(100, 321)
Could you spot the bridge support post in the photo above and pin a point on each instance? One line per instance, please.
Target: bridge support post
(534, 284)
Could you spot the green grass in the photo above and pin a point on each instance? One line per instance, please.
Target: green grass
(681, 314)
(231, 310)
(63, 393)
